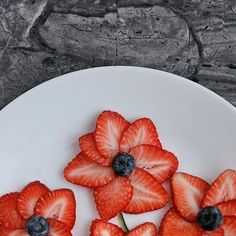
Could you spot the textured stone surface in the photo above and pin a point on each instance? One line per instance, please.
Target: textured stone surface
(41, 39)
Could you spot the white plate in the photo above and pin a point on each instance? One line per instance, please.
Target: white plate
(39, 130)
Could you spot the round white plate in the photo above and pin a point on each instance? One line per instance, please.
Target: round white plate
(39, 130)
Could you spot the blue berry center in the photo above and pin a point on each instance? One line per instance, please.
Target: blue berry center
(209, 218)
(37, 226)
(123, 164)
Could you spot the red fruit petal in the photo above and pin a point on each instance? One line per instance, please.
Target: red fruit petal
(222, 190)
(229, 226)
(88, 146)
(58, 205)
(188, 192)
(112, 198)
(9, 215)
(160, 163)
(228, 208)
(146, 229)
(57, 228)
(100, 228)
(216, 232)
(83, 171)
(109, 128)
(142, 131)
(28, 198)
(12, 232)
(148, 194)
(173, 225)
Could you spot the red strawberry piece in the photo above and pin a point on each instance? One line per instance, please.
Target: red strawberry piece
(58, 205)
(109, 128)
(229, 226)
(83, 171)
(228, 208)
(12, 232)
(160, 163)
(146, 229)
(173, 225)
(112, 198)
(216, 232)
(187, 193)
(148, 194)
(9, 215)
(28, 198)
(223, 189)
(57, 228)
(88, 146)
(142, 131)
(100, 228)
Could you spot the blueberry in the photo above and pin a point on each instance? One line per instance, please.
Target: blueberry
(37, 226)
(123, 164)
(210, 218)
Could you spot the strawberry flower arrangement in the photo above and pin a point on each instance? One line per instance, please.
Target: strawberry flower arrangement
(125, 164)
(37, 211)
(201, 209)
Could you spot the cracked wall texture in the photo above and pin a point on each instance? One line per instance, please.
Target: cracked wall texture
(41, 39)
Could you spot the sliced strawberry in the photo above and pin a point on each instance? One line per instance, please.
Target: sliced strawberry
(57, 228)
(146, 229)
(88, 146)
(100, 228)
(173, 225)
(223, 189)
(142, 131)
(83, 171)
(148, 194)
(159, 163)
(229, 226)
(28, 198)
(58, 205)
(12, 232)
(188, 192)
(216, 232)
(228, 208)
(109, 128)
(9, 215)
(112, 198)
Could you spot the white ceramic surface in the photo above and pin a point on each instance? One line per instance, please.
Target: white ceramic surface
(39, 130)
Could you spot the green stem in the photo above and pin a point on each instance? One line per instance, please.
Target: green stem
(123, 223)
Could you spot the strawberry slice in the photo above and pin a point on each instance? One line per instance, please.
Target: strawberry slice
(28, 198)
(229, 226)
(146, 229)
(216, 232)
(159, 163)
(112, 198)
(9, 215)
(142, 131)
(228, 208)
(57, 228)
(83, 171)
(148, 194)
(173, 225)
(100, 227)
(58, 205)
(88, 146)
(188, 192)
(223, 189)
(12, 232)
(109, 128)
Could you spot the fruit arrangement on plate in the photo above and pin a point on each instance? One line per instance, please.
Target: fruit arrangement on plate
(125, 165)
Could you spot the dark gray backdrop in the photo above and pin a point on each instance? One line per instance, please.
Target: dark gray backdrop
(41, 39)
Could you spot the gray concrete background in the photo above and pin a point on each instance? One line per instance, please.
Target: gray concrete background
(41, 39)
